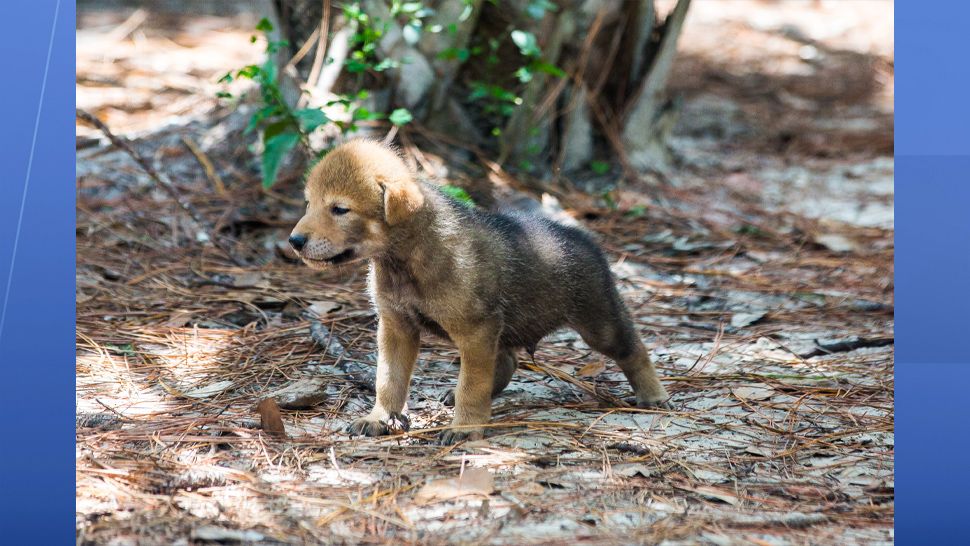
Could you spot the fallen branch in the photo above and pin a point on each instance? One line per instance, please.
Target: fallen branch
(357, 373)
(847, 345)
(207, 165)
(166, 185)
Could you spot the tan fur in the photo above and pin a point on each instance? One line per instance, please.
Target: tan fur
(436, 268)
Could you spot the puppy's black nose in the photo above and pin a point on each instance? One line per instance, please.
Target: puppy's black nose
(298, 242)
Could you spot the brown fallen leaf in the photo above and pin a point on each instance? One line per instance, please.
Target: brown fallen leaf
(270, 419)
(592, 369)
(473, 481)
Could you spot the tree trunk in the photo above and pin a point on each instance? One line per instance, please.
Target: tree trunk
(590, 86)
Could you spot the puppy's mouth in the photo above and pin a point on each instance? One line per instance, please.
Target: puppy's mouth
(341, 258)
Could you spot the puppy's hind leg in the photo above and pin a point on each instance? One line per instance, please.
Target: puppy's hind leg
(617, 339)
(504, 368)
(397, 349)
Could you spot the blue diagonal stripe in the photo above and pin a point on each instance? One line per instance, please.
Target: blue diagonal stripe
(30, 164)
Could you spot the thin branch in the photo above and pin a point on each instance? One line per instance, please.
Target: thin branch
(124, 144)
(321, 53)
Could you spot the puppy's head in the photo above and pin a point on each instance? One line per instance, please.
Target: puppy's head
(355, 196)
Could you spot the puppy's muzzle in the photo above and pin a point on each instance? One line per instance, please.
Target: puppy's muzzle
(319, 251)
(338, 258)
(298, 242)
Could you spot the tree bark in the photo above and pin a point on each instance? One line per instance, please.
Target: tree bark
(610, 105)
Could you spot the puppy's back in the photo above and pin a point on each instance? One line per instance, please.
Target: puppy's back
(547, 275)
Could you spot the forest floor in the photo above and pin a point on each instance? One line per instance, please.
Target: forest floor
(760, 276)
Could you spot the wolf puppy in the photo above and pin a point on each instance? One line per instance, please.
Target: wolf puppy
(491, 283)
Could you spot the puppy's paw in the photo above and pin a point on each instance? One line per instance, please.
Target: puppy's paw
(371, 426)
(448, 398)
(454, 435)
(368, 426)
(661, 404)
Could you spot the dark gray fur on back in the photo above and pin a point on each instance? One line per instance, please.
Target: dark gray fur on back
(532, 273)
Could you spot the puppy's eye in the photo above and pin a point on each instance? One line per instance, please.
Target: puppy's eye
(337, 210)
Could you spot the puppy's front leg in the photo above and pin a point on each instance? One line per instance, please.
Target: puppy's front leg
(473, 397)
(397, 349)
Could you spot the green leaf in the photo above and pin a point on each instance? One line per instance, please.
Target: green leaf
(273, 47)
(458, 194)
(548, 68)
(479, 91)
(355, 67)
(599, 167)
(400, 116)
(260, 115)
(352, 11)
(448, 54)
(267, 72)
(264, 25)
(343, 100)
(527, 43)
(248, 72)
(127, 349)
(277, 142)
(363, 114)
(452, 53)
(524, 74)
(636, 211)
(386, 64)
(310, 119)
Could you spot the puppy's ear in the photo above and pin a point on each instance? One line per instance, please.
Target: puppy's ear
(402, 198)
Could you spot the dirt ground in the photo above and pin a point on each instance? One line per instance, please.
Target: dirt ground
(760, 276)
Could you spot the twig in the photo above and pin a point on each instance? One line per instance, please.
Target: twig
(304, 50)
(130, 25)
(846, 346)
(203, 159)
(123, 143)
(563, 376)
(324, 34)
(357, 373)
